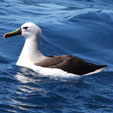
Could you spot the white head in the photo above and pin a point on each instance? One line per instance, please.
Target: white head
(27, 30)
(30, 29)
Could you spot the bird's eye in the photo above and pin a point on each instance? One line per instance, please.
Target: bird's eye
(25, 28)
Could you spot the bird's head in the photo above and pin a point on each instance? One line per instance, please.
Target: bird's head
(27, 30)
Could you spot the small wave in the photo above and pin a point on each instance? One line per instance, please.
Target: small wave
(92, 15)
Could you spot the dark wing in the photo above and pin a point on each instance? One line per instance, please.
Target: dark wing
(50, 61)
(70, 64)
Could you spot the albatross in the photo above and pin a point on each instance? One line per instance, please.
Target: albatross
(32, 57)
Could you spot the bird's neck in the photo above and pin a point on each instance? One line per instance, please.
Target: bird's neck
(31, 53)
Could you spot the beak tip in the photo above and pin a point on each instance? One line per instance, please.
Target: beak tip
(4, 36)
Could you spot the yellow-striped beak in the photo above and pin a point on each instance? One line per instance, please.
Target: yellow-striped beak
(13, 33)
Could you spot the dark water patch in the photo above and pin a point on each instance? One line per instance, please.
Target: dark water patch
(99, 108)
(4, 60)
(40, 106)
(7, 79)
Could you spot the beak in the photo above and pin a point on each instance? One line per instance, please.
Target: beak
(13, 33)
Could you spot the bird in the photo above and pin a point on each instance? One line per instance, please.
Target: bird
(32, 57)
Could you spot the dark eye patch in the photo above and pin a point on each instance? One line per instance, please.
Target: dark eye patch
(25, 28)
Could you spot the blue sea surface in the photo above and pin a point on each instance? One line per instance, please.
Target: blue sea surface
(82, 28)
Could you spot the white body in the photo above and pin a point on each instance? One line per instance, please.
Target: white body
(31, 53)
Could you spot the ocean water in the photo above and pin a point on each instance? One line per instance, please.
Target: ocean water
(82, 28)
